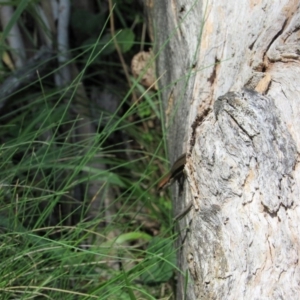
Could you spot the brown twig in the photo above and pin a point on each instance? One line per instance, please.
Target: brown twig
(112, 29)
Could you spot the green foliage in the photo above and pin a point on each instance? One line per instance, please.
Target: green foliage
(87, 23)
(159, 262)
(125, 39)
(55, 241)
(105, 46)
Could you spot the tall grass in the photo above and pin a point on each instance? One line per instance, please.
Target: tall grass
(80, 217)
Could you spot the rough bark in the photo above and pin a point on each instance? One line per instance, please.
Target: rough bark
(242, 146)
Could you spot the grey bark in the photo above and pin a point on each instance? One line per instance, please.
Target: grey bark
(231, 101)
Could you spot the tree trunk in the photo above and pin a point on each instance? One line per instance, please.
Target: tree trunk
(230, 87)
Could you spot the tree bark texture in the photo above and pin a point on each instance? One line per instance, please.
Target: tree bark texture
(230, 85)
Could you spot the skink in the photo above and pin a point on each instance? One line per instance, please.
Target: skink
(175, 171)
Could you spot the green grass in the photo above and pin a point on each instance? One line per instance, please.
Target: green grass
(49, 244)
(71, 228)
(52, 245)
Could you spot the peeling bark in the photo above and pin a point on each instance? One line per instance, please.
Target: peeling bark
(242, 243)
(231, 100)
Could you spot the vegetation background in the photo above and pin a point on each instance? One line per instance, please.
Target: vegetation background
(82, 151)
